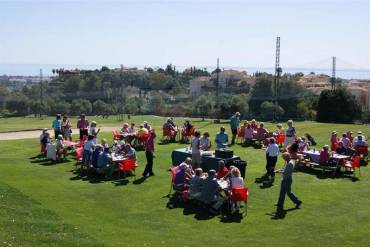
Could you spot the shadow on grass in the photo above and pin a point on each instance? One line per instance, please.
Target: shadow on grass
(202, 211)
(326, 175)
(280, 213)
(47, 162)
(264, 182)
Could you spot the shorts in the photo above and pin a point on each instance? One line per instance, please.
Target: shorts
(234, 131)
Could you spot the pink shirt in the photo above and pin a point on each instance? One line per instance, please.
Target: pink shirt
(149, 145)
(248, 133)
(346, 142)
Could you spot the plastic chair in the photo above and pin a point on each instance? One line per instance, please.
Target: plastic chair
(240, 195)
(362, 151)
(353, 164)
(127, 166)
(280, 139)
(116, 135)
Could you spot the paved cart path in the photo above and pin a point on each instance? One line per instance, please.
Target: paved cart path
(36, 133)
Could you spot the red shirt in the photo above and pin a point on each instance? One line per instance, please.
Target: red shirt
(324, 156)
(222, 171)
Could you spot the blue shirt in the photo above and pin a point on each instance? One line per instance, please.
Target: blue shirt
(234, 122)
(103, 159)
(57, 124)
(221, 138)
(131, 153)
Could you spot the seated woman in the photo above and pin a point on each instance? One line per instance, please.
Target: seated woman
(324, 155)
(280, 129)
(340, 149)
(196, 184)
(125, 129)
(254, 125)
(248, 135)
(261, 132)
(222, 170)
(130, 152)
(303, 145)
(104, 164)
(61, 151)
(170, 128)
(205, 142)
(44, 140)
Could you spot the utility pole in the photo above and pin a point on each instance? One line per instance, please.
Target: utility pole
(217, 76)
(333, 77)
(41, 94)
(278, 71)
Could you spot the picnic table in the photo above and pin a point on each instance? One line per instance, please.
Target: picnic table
(67, 144)
(314, 157)
(208, 160)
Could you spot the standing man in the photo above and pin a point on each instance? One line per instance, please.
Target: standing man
(82, 125)
(286, 183)
(234, 124)
(272, 153)
(149, 154)
(57, 126)
(221, 138)
(195, 150)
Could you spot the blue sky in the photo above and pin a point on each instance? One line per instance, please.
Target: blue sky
(241, 33)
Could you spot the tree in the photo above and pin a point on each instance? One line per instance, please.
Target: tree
(261, 91)
(268, 110)
(18, 104)
(203, 106)
(81, 106)
(338, 106)
(99, 107)
(157, 104)
(131, 106)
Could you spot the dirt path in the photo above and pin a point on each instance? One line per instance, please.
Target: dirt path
(36, 133)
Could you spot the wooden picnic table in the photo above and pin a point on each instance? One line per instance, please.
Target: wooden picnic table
(314, 157)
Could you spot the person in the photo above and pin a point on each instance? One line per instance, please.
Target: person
(82, 125)
(195, 150)
(187, 125)
(104, 143)
(171, 128)
(95, 155)
(280, 129)
(57, 126)
(359, 134)
(234, 124)
(125, 129)
(324, 155)
(147, 126)
(248, 135)
(236, 180)
(334, 140)
(149, 154)
(45, 141)
(254, 125)
(349, 136)
(221, 138)
(103, 163)
(142, 134)
(261, 132)
(183, 174)
(130, 152)
(290, 133)
(88, 148)
(131, 133)
(205, 142)
(286, 183)
(303, 145)
(59, 146)
(94, 131)
(210, 192)
(42, 145)
(196, 184)
(222, 170)
(360, 142)
(66, 128)
(272, 153)
(346, 142)
(340, 149)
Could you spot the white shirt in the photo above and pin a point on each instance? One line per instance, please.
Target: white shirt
(195, 145)
(272, 150)
(237, 182)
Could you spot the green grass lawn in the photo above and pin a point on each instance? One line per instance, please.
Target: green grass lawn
(42, 204)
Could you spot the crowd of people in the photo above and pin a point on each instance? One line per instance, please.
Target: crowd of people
(212, 188)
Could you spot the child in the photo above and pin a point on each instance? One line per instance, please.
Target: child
(61, 151)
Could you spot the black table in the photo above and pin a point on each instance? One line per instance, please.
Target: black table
(207, 162)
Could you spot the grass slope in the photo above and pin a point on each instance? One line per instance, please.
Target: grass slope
(53, 206)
